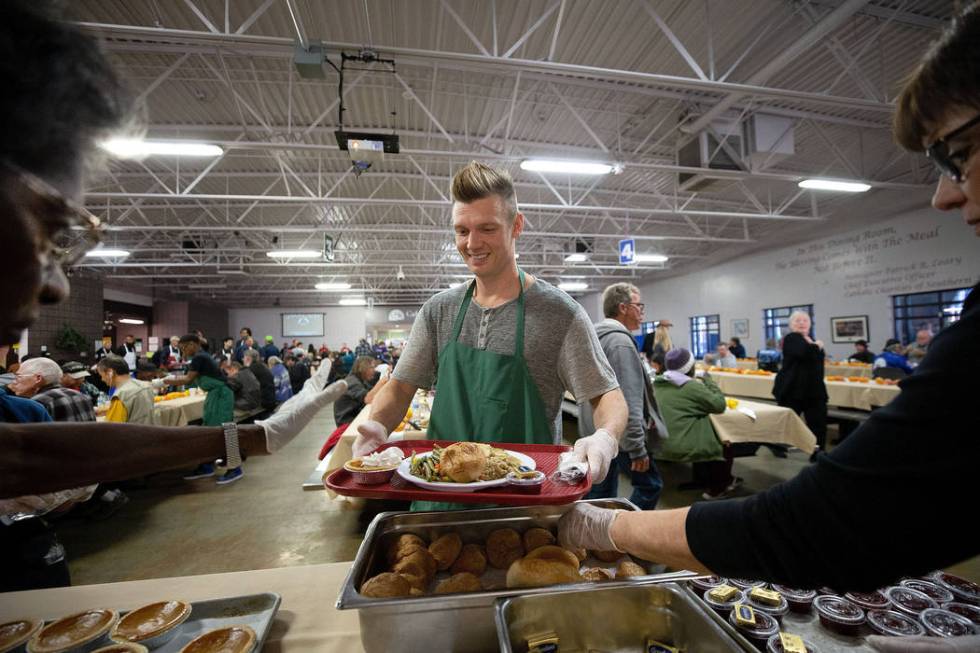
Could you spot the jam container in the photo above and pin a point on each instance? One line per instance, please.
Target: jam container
(529, 482)
(702, 585)
(777, 610)
(839, 615)
(895, 624)
(798, 600)
(759, 634)
(938, 594)
(826, 591)
(967, 610)
(724, 606)
(775, 645)
(869, 600)
(943, 623)
(908, 600)
(744, 584)
(964, 590)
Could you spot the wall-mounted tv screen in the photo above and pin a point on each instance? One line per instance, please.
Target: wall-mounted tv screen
(295, 325)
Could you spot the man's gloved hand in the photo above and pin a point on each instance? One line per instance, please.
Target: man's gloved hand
(297, 412)
(156, 384)
(168, 380)
(587, 527)
(598, 450)
(370, 436)
(966, 644)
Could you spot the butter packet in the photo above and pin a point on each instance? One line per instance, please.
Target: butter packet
(722, 593)
(792, 643)
(744, 614)
(762, 595)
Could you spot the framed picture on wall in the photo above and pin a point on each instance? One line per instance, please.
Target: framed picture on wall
(740, 328)
(849, 329)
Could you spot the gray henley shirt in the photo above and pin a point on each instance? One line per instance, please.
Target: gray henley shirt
(560, 343)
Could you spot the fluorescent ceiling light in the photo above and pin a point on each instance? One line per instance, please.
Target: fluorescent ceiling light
(132, 148)
(332, 285)
(130, 320)
(567, 167)
(651, 258)
(353, 301)
(573, 285)
(833, 184)
(576, 258)
(206, 286)
(294, 253)
(107, 253)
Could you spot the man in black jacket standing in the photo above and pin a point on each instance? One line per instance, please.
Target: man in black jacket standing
(253, 361)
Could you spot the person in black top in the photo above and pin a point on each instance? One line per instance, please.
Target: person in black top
(799, 383)
(253, 361)
(889, 501)
(861, 353)
(736, 347)
(298, 372)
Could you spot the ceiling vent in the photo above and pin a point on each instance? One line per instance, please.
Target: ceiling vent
(705, 151)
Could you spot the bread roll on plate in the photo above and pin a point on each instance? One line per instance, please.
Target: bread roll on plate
(538, 572)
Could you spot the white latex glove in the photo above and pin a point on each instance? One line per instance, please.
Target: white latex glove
(587, 527)
(318, 380)
(168, 380)
(157, 384)
(967, 644)
(297, 412)
(598, 450)
(370, 436)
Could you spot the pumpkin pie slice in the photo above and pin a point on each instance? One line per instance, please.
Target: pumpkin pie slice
(73, 632)
(152, 624)
(232, 639)
(15, 633)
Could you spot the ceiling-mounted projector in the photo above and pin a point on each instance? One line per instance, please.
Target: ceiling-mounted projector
(366, 148)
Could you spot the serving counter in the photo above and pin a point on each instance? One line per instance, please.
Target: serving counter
(307, 619)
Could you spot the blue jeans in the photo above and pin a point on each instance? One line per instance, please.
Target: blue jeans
(646, 485)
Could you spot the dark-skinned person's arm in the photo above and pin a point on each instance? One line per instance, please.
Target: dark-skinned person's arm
(37, 458)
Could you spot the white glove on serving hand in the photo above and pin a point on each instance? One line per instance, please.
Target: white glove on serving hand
(318, 381)
(587, 527)
(370, 436)
(964, 644)
(297, 412)
(167, 380)
(598, 450)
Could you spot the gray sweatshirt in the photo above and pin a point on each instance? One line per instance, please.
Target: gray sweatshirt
(620, 349)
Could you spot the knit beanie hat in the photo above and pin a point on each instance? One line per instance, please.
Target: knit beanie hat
(679, 360)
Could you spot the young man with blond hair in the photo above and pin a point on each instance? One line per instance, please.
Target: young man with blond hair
(502, 348)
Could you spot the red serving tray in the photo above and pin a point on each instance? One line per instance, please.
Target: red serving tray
(545, 455)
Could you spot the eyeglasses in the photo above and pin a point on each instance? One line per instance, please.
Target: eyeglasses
(70, 229)
(638, 305)
(950, 163)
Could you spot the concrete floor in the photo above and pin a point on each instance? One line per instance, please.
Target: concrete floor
(173, 527)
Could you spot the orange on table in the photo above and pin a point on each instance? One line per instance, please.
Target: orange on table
(858, 379)
(833, 378)
(404, 422)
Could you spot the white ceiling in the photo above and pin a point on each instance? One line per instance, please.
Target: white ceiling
(624, 81)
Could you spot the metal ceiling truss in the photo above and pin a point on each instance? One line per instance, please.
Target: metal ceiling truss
(281, 178)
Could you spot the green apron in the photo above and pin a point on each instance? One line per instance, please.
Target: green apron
(483, 396)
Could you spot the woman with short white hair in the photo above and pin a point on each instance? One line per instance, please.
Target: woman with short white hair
(799, 383)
